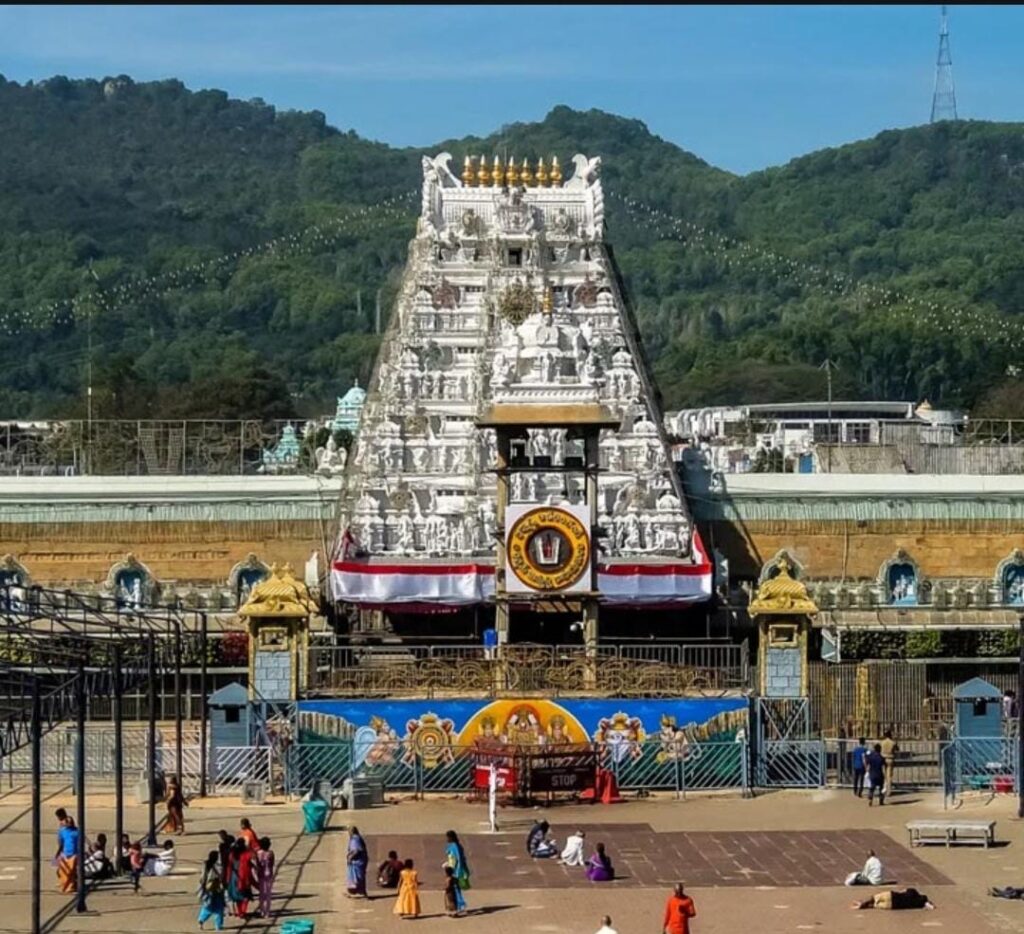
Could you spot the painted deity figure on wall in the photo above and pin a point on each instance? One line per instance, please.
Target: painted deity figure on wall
(523, 728)
(385, 746)
(620, 737)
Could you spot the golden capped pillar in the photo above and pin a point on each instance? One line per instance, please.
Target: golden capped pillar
(556, 173)
(548, 302)
(511, 173)
(525, 175)
(468, 175)
(278, 612)
(542, 173)
(497, 173)
(783, 610)
(483, 175)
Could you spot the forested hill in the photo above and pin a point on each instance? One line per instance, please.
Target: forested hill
(225, 255)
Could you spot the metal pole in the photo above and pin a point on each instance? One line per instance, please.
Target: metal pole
(177, 700)
(202, 705)
(1020, 721)
(36, 729)
(118, 759)
(151, 740)
(80, 786)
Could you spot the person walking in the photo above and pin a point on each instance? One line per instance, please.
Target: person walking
(455, 856)
(67, 855)
(859, 768)
(357, 859)
(889, 748)
(211, 893)
(876, 775)
(136, 862)
(265, 875)
(239, 886)
(175, 807)
(224, 844)
(678, 910)
(454, 903)
(247, 834)
(407, 904)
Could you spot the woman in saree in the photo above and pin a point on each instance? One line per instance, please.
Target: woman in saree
(357, 859)
(407, 904)
(265, 875)
(455, 856)
(240, 878)
(67, 858)
(599, 866)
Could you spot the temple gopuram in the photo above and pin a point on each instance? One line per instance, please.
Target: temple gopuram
(510, 302)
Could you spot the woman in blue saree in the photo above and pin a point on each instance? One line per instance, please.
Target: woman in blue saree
(357, 859)
(455, 857)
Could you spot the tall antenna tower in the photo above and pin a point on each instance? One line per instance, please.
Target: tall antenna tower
(944, 96)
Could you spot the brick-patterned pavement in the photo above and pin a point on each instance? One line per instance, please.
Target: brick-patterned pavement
(645, 858)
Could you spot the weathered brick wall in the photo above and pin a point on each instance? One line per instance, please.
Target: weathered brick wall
(200, 552)
(856, 550)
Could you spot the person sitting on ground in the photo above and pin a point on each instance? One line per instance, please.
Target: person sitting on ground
(895, 900)
(537, 843)
(389, 872)
(124, 861)
(162, 862)
(599, 867)
(606, 926)
(572, 855)
(871, 874)
(97, 866)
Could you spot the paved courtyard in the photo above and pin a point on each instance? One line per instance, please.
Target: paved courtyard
(772, 864)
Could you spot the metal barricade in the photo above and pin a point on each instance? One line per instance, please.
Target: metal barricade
(791, 763)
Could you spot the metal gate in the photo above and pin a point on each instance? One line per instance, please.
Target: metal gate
(785, 756)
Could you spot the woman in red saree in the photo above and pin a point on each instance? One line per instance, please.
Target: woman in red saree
(240, 878)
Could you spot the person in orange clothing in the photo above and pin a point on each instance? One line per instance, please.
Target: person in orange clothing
(678, 910)
(248, 835)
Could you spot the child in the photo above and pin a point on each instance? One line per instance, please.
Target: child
(137, 861)
(389, 871)
(454, 903)
(211, 893)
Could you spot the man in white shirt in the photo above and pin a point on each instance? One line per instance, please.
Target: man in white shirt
(606, 926)
(871, 874)
(572, 855)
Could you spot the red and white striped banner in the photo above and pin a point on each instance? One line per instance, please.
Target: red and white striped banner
(437, 582)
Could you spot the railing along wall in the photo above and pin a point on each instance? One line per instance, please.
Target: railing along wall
(429, 670)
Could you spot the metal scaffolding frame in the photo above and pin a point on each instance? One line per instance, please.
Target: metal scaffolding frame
(58, 648)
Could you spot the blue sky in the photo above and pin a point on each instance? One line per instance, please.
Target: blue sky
(742, 87)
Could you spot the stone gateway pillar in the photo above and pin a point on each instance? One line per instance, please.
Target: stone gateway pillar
(278, 612)
(783, 612)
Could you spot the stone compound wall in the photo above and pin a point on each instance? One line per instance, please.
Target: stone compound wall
(272, 674)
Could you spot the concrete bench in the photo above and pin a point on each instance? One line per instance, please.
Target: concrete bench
(951, 831)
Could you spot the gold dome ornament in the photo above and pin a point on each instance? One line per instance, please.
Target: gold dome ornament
(542, 174)
(556, 173)
(497, 174)
(526, 175)
(468, 175)
(483, 176)
(511, 173)
(548, 302)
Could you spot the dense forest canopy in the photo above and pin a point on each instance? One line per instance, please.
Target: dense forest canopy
(220, 254)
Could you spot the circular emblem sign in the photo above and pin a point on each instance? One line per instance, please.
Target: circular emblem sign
(548, 549)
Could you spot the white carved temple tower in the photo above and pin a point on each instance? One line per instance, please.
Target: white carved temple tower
(509, 296)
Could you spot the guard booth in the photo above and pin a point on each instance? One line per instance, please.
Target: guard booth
(980, 758)
(229, 723)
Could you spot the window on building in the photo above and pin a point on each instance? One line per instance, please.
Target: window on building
(232, 714)
(826, 432)
(515, 257)
(858, 432)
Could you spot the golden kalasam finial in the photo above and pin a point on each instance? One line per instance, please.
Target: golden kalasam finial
(511, 173)
(556, 173)
(468, 176)
(483, 175)
(548, 302)
(542, 174)
(497, 173)
(525, 175)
